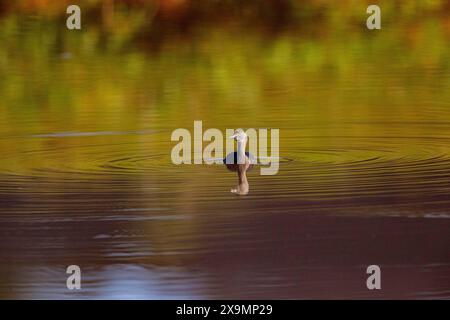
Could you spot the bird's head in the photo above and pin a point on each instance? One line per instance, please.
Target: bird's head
(239, 135)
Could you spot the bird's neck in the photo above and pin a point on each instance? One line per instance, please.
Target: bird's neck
(241, 151)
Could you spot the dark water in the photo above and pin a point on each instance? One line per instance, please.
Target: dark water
(86, 176)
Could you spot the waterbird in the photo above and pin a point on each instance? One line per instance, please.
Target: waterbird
(239, 161)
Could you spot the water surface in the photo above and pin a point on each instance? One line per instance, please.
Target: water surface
(86, 176)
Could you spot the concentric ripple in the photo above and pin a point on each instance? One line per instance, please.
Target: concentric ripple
(346, 172)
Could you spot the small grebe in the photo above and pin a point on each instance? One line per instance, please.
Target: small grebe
(239, 161)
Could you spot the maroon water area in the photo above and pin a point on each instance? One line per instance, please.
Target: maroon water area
(211, 251)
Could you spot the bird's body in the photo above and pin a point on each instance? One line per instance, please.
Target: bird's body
(231, 161)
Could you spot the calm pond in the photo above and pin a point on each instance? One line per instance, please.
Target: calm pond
(86, 176)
